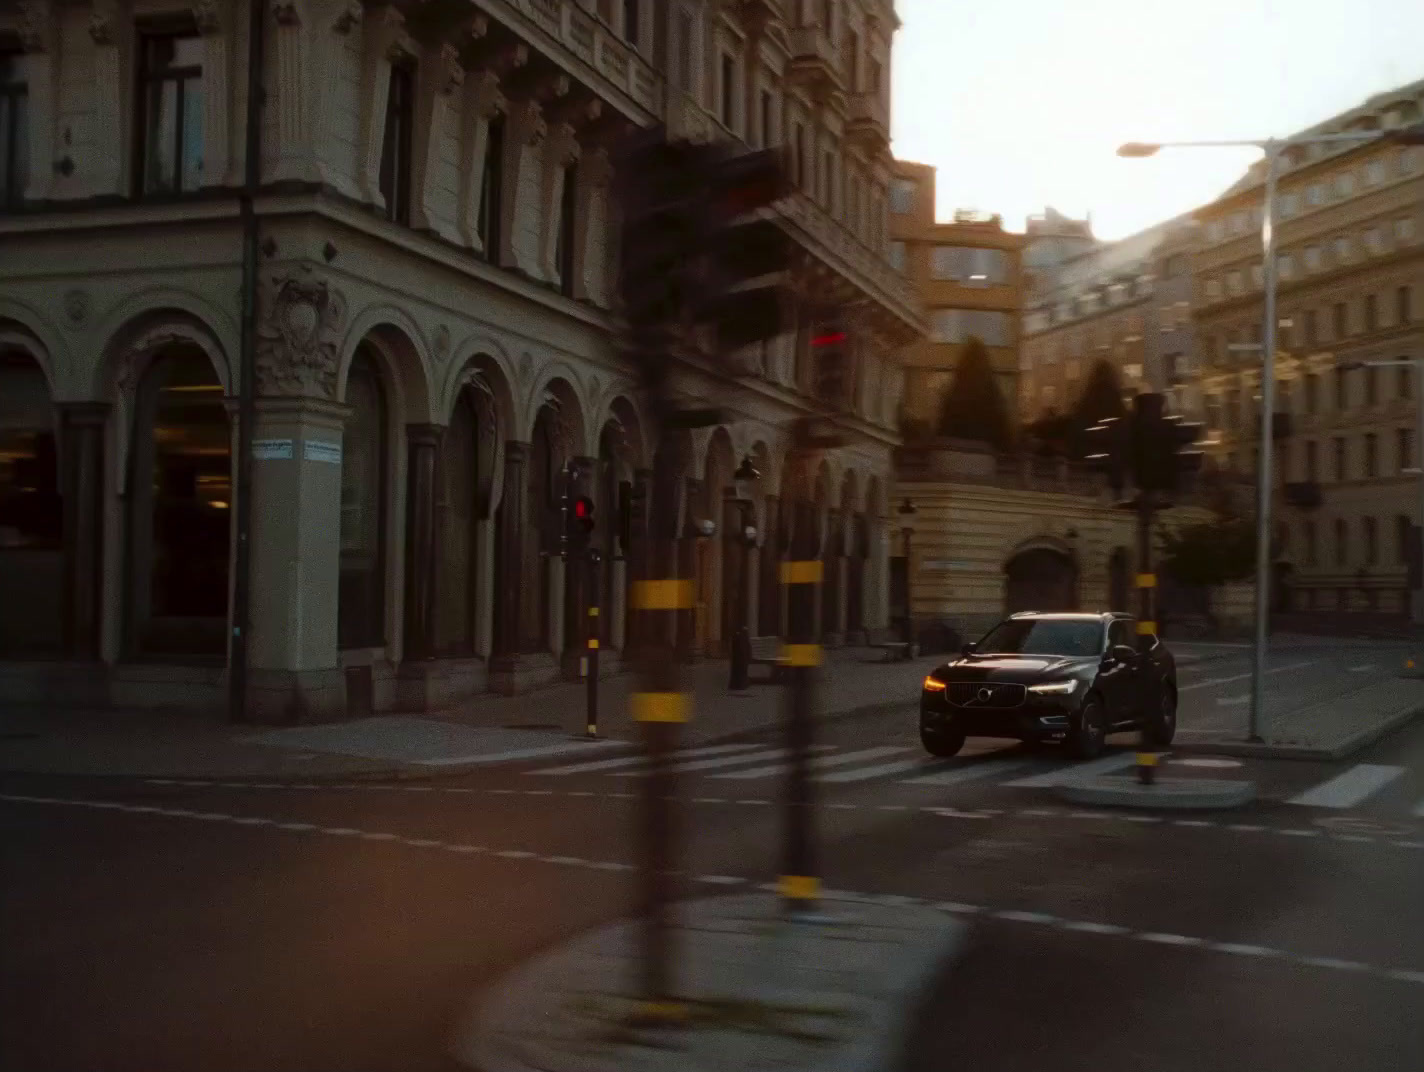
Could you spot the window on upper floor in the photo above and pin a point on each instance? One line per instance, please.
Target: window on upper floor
(1371, 312)
(1285, 266)
(1374, 240)
(969, 265)
(1339, 445)
(1371, 535)
(1313, 258)
(686, 41)
(14, 131)
(1315, 194)
(828, 180)
(170, 119)
(1308, 539)
(1371, 375)
(1343, 249)
(897, 256)
(852, 60)
(958, 325)
(1258, 276)
(1342, 389)
(1404, 448)
(1374, 173)
(1308, 328)
(872, 75)
(766, 127)
(491, 189)
(902, 197)
(1403, 302)
(1289, 205)
(1312, 467)
(1404, 229)
(1345, 184)
(396, 155)
(1404, 386)
(1233, 283)
(1371, 459)
(568, 222)
(1214, 231)
(1402, 527)
(1213, 288)
(828, 18)
(728, 92)
(632, 21)
(799, 167)
(1312, 392)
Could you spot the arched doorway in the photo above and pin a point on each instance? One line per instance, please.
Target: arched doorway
(180, 483)
(365, 483)
(456, 623)
(1040, 578)
(31, 513)
(541, 531)
(1118, 590)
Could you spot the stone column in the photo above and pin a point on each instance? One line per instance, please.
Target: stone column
(422, 445)
(296, 556)
(524, 132)
(482, 104)
(484, 585)
(441, 75)
(591, 235)
(82, 429)
(514, 505)
(687, 564)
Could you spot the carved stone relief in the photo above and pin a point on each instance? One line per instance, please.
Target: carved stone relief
(298, 336)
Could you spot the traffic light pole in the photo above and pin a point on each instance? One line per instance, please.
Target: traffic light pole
(593, 613)
(800, 655)
(1146, 578)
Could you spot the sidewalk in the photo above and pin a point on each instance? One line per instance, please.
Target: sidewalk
(548, 721)
(761, 993)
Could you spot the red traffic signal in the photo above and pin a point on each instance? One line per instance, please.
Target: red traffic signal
(582, 513)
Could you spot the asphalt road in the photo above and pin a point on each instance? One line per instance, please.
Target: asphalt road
(345, 928)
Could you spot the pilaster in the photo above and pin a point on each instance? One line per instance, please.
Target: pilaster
(441, 76)
(39, 38)
(107, 159)
(215, 19)
(386, 43)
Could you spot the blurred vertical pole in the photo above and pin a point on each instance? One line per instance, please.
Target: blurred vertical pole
(1146, 579)
(801, 655)
(660, 706)
(594, 562)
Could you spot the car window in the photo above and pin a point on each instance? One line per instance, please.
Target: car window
(1120, 632)
(1043, 636)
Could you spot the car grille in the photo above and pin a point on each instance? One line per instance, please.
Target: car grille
(982, 694)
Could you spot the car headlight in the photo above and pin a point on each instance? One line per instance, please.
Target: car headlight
(933, 684)
(1055, 688)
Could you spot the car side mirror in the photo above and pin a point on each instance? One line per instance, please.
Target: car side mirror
(1122, 653)
(969, 649)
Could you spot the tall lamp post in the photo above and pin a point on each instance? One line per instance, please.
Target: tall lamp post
(1417, 364)
(746, 538)
(1273, 148)
(907, 512)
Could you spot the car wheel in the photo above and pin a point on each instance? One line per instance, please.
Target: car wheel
(1090, 731)
(942, 745)
(1161, 725)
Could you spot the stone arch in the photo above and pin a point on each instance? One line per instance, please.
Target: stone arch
(486, 378)
(558, 382)
(396, 339)
(1041, 574)
(24, 329)
(623, 415)
(120, 329)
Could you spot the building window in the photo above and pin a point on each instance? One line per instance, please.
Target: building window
(729, 90)
(768, 132)
(364, 470)
(1214, 231)
(14, 132)
(1374, 240)
(1402, 305)
(1371, 536)
(631, 21)
(902, 197)
(1345, 184)
(1402, 526)
(1339, 459)
(396, 148)
(1371, 455)
(828, 180)
(1233, 283)
(1312, 392)
(897, 256)
(1374, 173)
(1285, 266)
(1315, 194)
(1342, 542)
(958, 325)
(1308, 328)
(686, 68)
(171, 114)
(1312, 468)
(1312, 258)
(1404, 447)
(1371, 313)
(1309, 532)
(1341, 320)
(1342, 390)
(1290, 205)
(568, 222)
(491, 187)
(798, 160)
(1343, 249)
(1258, 276)
(1404, 230)
(1371, 384)
(1213, 288)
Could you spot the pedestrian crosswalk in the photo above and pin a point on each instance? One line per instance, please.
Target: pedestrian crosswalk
(1362, 784)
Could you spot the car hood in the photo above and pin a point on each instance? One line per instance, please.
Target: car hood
(1013, 668)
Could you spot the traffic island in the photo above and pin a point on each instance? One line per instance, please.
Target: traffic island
(1200, 794)
(755, 992)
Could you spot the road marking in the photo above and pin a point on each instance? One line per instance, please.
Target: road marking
(1205, 762)
(1074, 772)
(1025, 917)
(1233, 701)
(720, 880)
(819, 763)
(1335, 963)
(1346, 790)
(1362, 669)
(1239, 677)
(640, 758)
(879, 770)
(957, 907)
(486, 758)
(1168, 939)
(951, 813)
(1418, 811)
(1087, 927)
(968, 772)
(1243, 950)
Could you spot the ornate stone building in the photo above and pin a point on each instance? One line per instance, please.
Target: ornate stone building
(1350, 251)
(434, 357)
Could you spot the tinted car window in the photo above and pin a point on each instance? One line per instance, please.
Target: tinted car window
(1038, 636)
(1120, 632)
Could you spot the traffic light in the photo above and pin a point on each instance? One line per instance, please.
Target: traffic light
(830, 363)
(1109, 442)
(739, 251)
(579, 521)
(1182, 436)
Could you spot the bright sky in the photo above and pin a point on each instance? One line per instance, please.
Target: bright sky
(1022, 103)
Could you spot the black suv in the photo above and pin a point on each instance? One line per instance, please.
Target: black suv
(1053, 677)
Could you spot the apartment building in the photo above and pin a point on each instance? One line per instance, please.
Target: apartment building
(434, 355)
(967, 273)
(1350, 262)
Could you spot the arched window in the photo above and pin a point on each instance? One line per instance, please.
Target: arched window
(180, 487)
(457, 597)
(31, 522)
(361, 613)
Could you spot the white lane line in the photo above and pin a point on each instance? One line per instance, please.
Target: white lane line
(630, 761)
(1240, 677)
(1336, 963)
(1362, 669)
(968, 772)
(821, 762)
(1243, 950)
(1075, 771)
(1025, 917)
(1233, 701)
(727, 761)
(1168, 939)
(1360, 782)
(958, 907)
(880, 770)
(1087, 927)
(487, 758)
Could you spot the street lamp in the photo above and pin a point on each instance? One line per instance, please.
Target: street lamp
(1417, 364)
(1273, 148)
(907, 511)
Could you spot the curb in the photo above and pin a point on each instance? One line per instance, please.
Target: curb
(411, 773)
(1197, 794)
(1349, 746)
(474, 1044)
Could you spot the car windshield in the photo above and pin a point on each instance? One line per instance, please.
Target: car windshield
(1043, 636)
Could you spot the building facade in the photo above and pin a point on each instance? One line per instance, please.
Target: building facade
(1350, 248)
(967, 273)
(1051, 239)
(434, 355)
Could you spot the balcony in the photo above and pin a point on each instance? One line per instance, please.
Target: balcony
(815, 62)
(868, 125)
